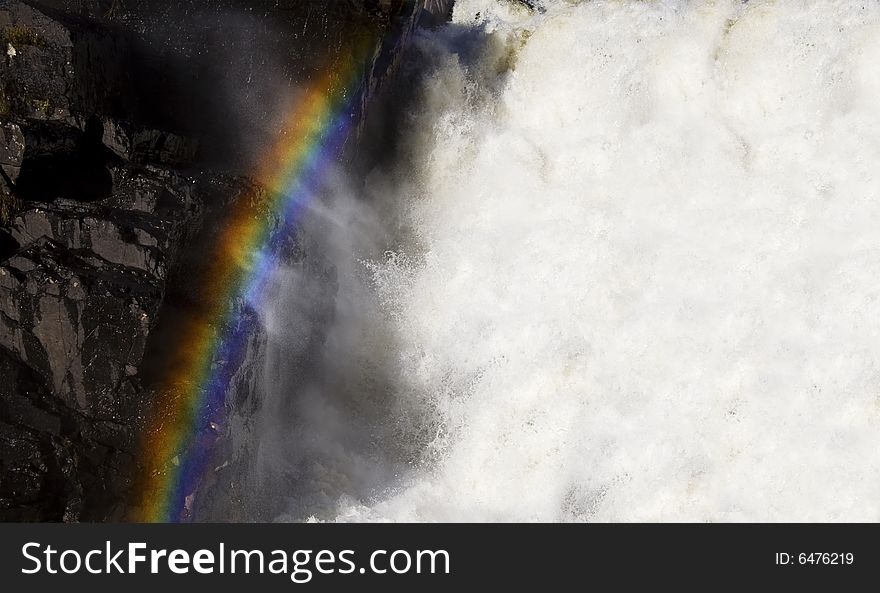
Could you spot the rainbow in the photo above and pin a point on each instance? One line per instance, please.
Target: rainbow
(177, 448)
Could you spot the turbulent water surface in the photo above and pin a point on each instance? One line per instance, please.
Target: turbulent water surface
(626, 267)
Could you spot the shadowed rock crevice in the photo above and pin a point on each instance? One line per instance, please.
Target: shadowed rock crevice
(77, 171)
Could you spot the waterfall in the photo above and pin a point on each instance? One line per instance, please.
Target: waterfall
(623, 266)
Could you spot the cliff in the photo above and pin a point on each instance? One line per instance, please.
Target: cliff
(126, 127)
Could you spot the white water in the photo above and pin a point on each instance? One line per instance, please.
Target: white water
(636, 273)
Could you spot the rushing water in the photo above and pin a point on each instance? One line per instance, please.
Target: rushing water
(626, 266)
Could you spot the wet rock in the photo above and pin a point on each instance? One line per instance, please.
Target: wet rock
(56, 465)
(11, 150)
(9, 206)
(118, 237)
(166, 194)
(78, 320)
(143, 145)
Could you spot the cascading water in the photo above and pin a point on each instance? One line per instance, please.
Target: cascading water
(631, 272)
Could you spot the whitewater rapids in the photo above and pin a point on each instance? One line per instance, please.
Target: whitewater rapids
(633, 272)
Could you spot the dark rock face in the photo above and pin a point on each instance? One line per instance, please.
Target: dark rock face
(78, 272)
(57, 464)
(127, 128)
(79, 296)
